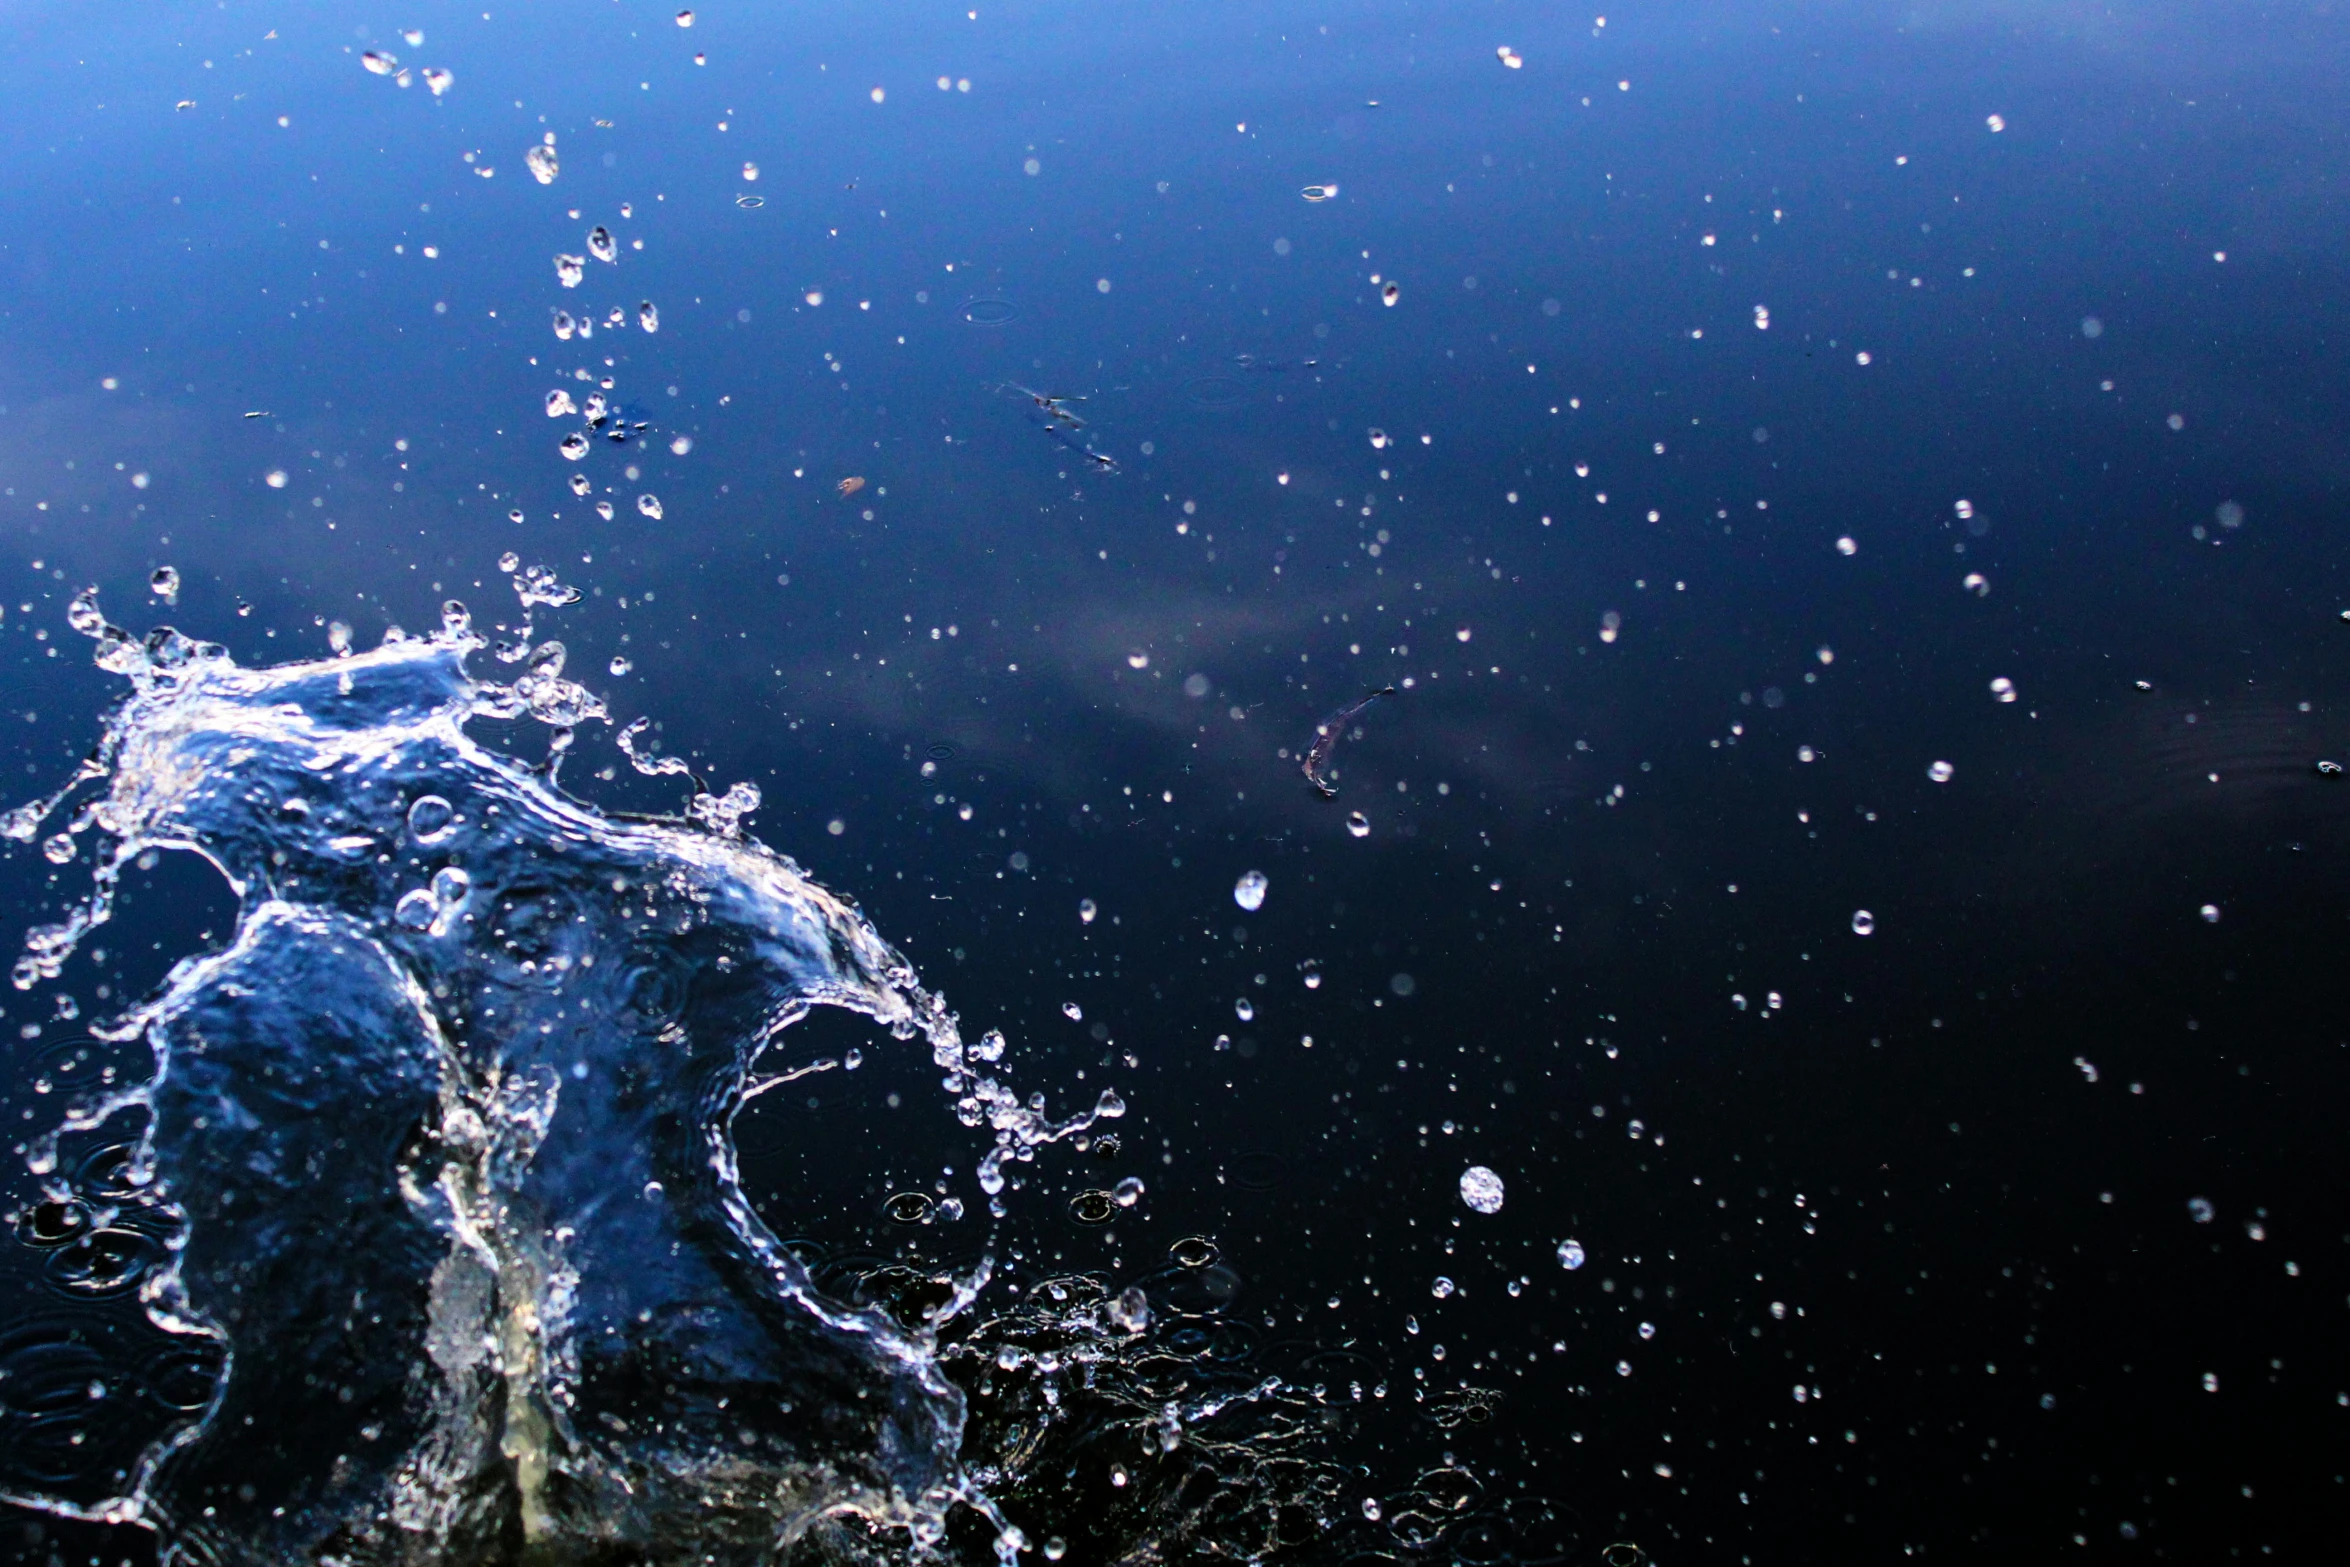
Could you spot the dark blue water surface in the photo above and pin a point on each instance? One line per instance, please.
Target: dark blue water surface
(1850, 500)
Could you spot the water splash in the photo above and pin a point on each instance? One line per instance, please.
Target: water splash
(428, 1199)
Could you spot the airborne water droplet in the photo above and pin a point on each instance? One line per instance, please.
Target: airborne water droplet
(1481, 1189)
(1358, 824)
(541, 160)
(1086, 911)
(379, 63)
(648, 317)
(1941, 772)
(650, 505)
(1571, 1255)
(559, 403)
(574, 446)
(1249, 891)
(1863, 923)
(437, 79)
(602, 245)
(569, 270)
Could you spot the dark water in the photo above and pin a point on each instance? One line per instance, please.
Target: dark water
(2011, 1228)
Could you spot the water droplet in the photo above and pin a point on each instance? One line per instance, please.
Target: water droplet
(378, 63)
(1195, 686)
(1313, 974)
(58, 849)
(1571, 1255)
(685, 19)
(1940, 772)
(1131, 1310)
(2210, 912)
(648, 317)
(681, 444)
(1402, 984)
(750, 171)
(1481, 1189)
(650, 505)
(1072, 1011)
(2003, 689)
(570, 269)
(1378, 438)
(275, 478)
(1249, 891)
(602, 245)
(909, 1208)
(1358, 824)
(416, 908)
(1086, 911)
(165, 584)
(1390, 294)
(1244, 1009)
(580, 485)
(1863, 923)
(2200, 1210)
(1319, 192)
(542, 164)
(747, 201)
(437, 79)
(574, 446)
(559, 404)
(2230, 514)
(1138, 659)
(1977, 584)
(1442, 1289)
(1846, 546)
(564, 325)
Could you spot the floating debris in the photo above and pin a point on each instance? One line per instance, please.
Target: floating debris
(850, 485)
(1317, 758)
(1063, 424)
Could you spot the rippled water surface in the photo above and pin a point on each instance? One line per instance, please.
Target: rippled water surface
(1384, 784)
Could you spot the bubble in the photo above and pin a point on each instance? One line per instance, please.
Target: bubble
(1249, 891)
(1571, 1254)
(1138, 659)
(574, 446)
(1031, 166)
(1127, 1192)
(2003, 689)
(1093, 1207)
(1358, 824)
(650, 505)
(541, 162)
(746, 201)
(1195, 686)
(648, 317)
(1086, 911)
(570, 269)
(416, 909)
(378, 63)
(437, 79)
(2200, 1210)
(58, 848)
(990, 312)
(1481, 1189)
(909, 1208)
(1940, 772)
(2210, 913)
(602, 245)
(559, 404)
(430, 819)
(1193, 1251)
(1863, 923)
(275, 478)
(2092, 327)
(1402, 984)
